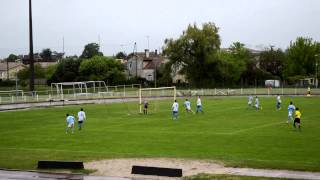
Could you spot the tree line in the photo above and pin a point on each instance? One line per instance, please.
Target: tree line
(198, 55)
(90, 66)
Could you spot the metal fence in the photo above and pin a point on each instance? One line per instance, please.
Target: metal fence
(19, 96)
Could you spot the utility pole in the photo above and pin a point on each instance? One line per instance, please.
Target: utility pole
(31, 59)
(136, 58)
(155, 74)
(63, 45)
(99, 41)
(7, 60)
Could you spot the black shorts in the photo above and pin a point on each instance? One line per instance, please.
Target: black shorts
(297, 120)
(80, 122)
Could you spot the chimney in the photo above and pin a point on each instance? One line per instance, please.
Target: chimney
(147, 53)
(156, 52)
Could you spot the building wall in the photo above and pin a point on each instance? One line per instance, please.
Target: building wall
(148, 74)
(134, 67)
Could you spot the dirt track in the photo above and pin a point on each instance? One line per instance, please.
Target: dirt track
(122, 168)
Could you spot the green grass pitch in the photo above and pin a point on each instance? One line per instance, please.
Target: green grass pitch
(227, 132)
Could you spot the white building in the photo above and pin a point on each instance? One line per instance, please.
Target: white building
(144, 65)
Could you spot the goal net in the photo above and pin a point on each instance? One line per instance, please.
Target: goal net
(154, 95)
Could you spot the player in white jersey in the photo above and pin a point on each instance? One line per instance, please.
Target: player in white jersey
(199, 105)
(257, 105)
(187, 104)
(291, 109)
(278, 103)
(70, 123)
(175, 109)
(250, 100)
(81, 118)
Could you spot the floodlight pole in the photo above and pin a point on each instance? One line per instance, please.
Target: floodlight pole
(316, 70)
(31, 60)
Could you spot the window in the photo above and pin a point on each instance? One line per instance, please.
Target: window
(150, 77)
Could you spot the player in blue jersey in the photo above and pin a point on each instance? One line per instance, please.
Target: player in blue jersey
(70, 123)
(187, 104)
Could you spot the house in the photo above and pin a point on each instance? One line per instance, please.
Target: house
(12, 67)
(144, 64)
(15, 67)
(306, 82)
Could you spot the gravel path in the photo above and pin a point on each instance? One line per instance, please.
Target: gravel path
(21, 175)
(122, 168)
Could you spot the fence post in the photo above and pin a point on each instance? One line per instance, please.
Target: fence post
(12, 99)
(215, 91)
(124, 90)
(295, 91)
(37, 97)
(0, 100)
(255, 91)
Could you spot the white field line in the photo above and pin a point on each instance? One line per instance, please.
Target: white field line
(256, 127)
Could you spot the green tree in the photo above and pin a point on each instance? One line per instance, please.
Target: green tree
(164, 75)
(91, 50)
(39, 72)
(234, 63)
(196, 51)
(301, 57)
(121, 55)
(12, 58)
(49, 71)
(272, 61)
(46, 54)
(102, 68)
(67, 70)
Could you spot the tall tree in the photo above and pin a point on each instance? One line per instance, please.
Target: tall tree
(272, 61)
(23, 74)
(196, 51)
(91, 50)
(234, 63)
(67, 70)
(301, 57)
(46, 54)
(121, 55)
(12, 58)
(103, 69)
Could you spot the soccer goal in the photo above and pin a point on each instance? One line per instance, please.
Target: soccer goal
(155, 94)
(77, 88)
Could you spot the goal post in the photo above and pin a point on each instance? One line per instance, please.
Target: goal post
(159, 92)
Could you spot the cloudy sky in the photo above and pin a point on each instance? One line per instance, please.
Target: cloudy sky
(120, 23)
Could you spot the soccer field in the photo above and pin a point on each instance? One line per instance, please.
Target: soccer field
(226, 132)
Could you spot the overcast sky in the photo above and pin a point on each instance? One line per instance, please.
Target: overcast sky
(120, 23)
